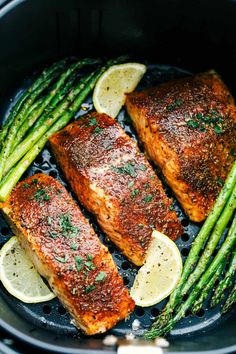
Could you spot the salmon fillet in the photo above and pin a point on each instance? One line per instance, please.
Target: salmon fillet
(68, 253)
(188, 128)
(114, 181)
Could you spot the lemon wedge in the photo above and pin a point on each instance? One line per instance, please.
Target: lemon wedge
(19, 276)
(160, 274)
(114, 83)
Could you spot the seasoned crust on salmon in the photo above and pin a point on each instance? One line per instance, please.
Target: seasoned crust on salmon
(114, 180)
(188, 128)
(68, 253)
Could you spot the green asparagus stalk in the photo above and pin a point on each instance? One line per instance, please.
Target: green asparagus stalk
(217, 232)
(231, 300)
(48, 128)
(225, 283)
(15, 110)
(55, 92)
(206, 291)
(49, 120)
(20, 117)
(223, 252)
(197, 245)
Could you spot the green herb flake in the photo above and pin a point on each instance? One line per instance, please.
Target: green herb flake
(141, 226)
(146, 185)
(101, 277)
(152, 176)
(53, 234)
(59, 191)
(178, 102)
(25, 185)
(35, 181)
(192, 124)
(68, 230)
(97, 130)
(49, 220)
(130, 184)
(74, 246)
(61, 259)
(134, 192)
(89, 288)
(219, 181)
(171, 207)
(109, 147)
(148, 198)
(217, 129)
(127, 169)
(78, 263)
(89, 257)
(89, 265)
(92, 122)
(46, 197)
(142, 167)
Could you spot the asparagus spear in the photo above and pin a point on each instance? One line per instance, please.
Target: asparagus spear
(47, 121)
(231, 300)
(205, 293)
(20, 117)
(48, 128)
(223, 252)
(226, 282)
(54, 93)
(217, 232)
(15, 110)
(199, 241)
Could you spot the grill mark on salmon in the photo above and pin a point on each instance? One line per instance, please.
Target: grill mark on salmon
(188, 128)
(68, 253)
(114, 181)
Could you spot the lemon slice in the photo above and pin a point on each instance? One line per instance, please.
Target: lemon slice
(160, 274)
(19, 275)
(110, 89)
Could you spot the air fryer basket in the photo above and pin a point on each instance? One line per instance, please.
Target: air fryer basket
(192, 35)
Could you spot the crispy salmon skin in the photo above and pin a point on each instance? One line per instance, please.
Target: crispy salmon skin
(114, 180)
(67, 252)
(188, 128)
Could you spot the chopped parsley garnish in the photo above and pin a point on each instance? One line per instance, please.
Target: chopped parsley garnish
(101, 276)
(201, 121)
(59, 191)
(74, 246)
(130, 184)
(146, 185)
(35, 181)
(134, 192)
(174, 104)
(92, 122)
(148, 198)
(61, 259)
(219, 181)
(142, 167)
(89, 265)
(41, 195)
(141, 226)
(78, 263)
(171, 207)
(127, 169)
(89, 288)
(25, 185)
(97, 130)
(53, 234)
(66, 226)
(109, 147)
(89, 257)
(152, 176)
(49, 220)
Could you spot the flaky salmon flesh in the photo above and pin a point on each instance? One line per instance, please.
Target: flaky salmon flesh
(67, 252)
(114, 181)
(188, 128)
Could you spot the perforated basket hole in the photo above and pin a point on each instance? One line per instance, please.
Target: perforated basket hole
(185, 237)
(47, 309)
